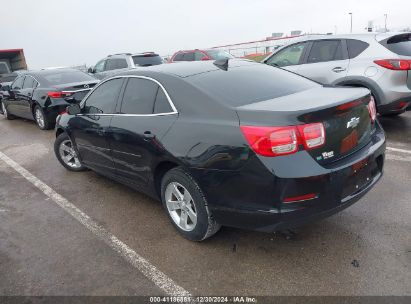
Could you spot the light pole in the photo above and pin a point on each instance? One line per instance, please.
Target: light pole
(351, 21)
(386, 30)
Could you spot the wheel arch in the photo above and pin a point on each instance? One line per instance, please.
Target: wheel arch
(161, 169)
(59, 131)
(364, 83)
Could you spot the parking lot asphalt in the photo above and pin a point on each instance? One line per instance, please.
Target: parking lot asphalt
(364, 250)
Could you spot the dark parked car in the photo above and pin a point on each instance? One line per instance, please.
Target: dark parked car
(6, 81)
(228, 143)
(200, 55)
(42, 95)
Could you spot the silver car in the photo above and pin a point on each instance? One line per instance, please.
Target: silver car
(380, 62)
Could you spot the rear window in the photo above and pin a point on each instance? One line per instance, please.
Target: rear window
(356, 47)
(61, 77)
(248, 84)
(147, 60)
(399, 44)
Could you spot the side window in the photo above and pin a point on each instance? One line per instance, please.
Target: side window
(288, 56)
(162, 104)
(325, 50)
(188, 56)
(18, 83)
(99, 67)
(139, 96)
(178, 57)
(103, 99)
(29, 83)
(356, 47)
(198, 56)
(115, 64)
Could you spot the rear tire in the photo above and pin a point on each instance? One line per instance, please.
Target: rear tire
(40, 119)
(186, 206)
(66, 154)
(6, 113)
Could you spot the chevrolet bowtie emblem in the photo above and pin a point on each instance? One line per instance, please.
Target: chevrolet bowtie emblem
(353, 122)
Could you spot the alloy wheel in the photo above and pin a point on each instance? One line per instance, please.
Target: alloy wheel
(69, 155)
(180, 206)
(39, 118)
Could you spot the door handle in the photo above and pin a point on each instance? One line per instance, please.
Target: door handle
(148, 135)
(338, 69)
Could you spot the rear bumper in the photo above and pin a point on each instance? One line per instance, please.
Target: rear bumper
(395, 107)
(254, 199)
(266, 221)
(54, 109)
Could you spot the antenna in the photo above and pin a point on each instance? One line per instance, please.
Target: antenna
(222, 64)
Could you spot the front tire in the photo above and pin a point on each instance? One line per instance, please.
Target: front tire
(40, 118)
(66, 154)
(187, 206)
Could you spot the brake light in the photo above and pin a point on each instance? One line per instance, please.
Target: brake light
(395, 64)
(57, 94)
(313, 135)
(372, 109)
(271, 141)
(277, 141)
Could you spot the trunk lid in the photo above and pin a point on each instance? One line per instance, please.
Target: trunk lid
(343, 112)
(78, 90)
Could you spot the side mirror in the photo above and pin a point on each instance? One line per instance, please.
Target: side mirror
(73, 109)
(5, 87)
(90, 70)
(205, 58)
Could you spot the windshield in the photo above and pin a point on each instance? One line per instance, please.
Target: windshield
(147, 60)
(399, 44)
(218, 54)
(61, 77)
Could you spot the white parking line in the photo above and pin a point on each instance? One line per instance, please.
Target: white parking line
(160, 279)
(398, 150)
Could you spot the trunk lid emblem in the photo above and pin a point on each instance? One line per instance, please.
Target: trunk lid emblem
(353, 122)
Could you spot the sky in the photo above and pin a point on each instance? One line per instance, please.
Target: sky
(76, 32)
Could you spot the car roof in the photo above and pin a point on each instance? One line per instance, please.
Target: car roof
(195, 50)
(186, 69)
(122, 55)
(363, 36)
(52, 71)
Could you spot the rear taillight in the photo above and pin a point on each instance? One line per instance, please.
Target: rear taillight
(313, 135)
(395, 64)
(372, 109)
(271, 141)
(277, 141)
(57, 94)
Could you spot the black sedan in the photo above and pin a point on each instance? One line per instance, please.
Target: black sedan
(42, 95)
(228, 143)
